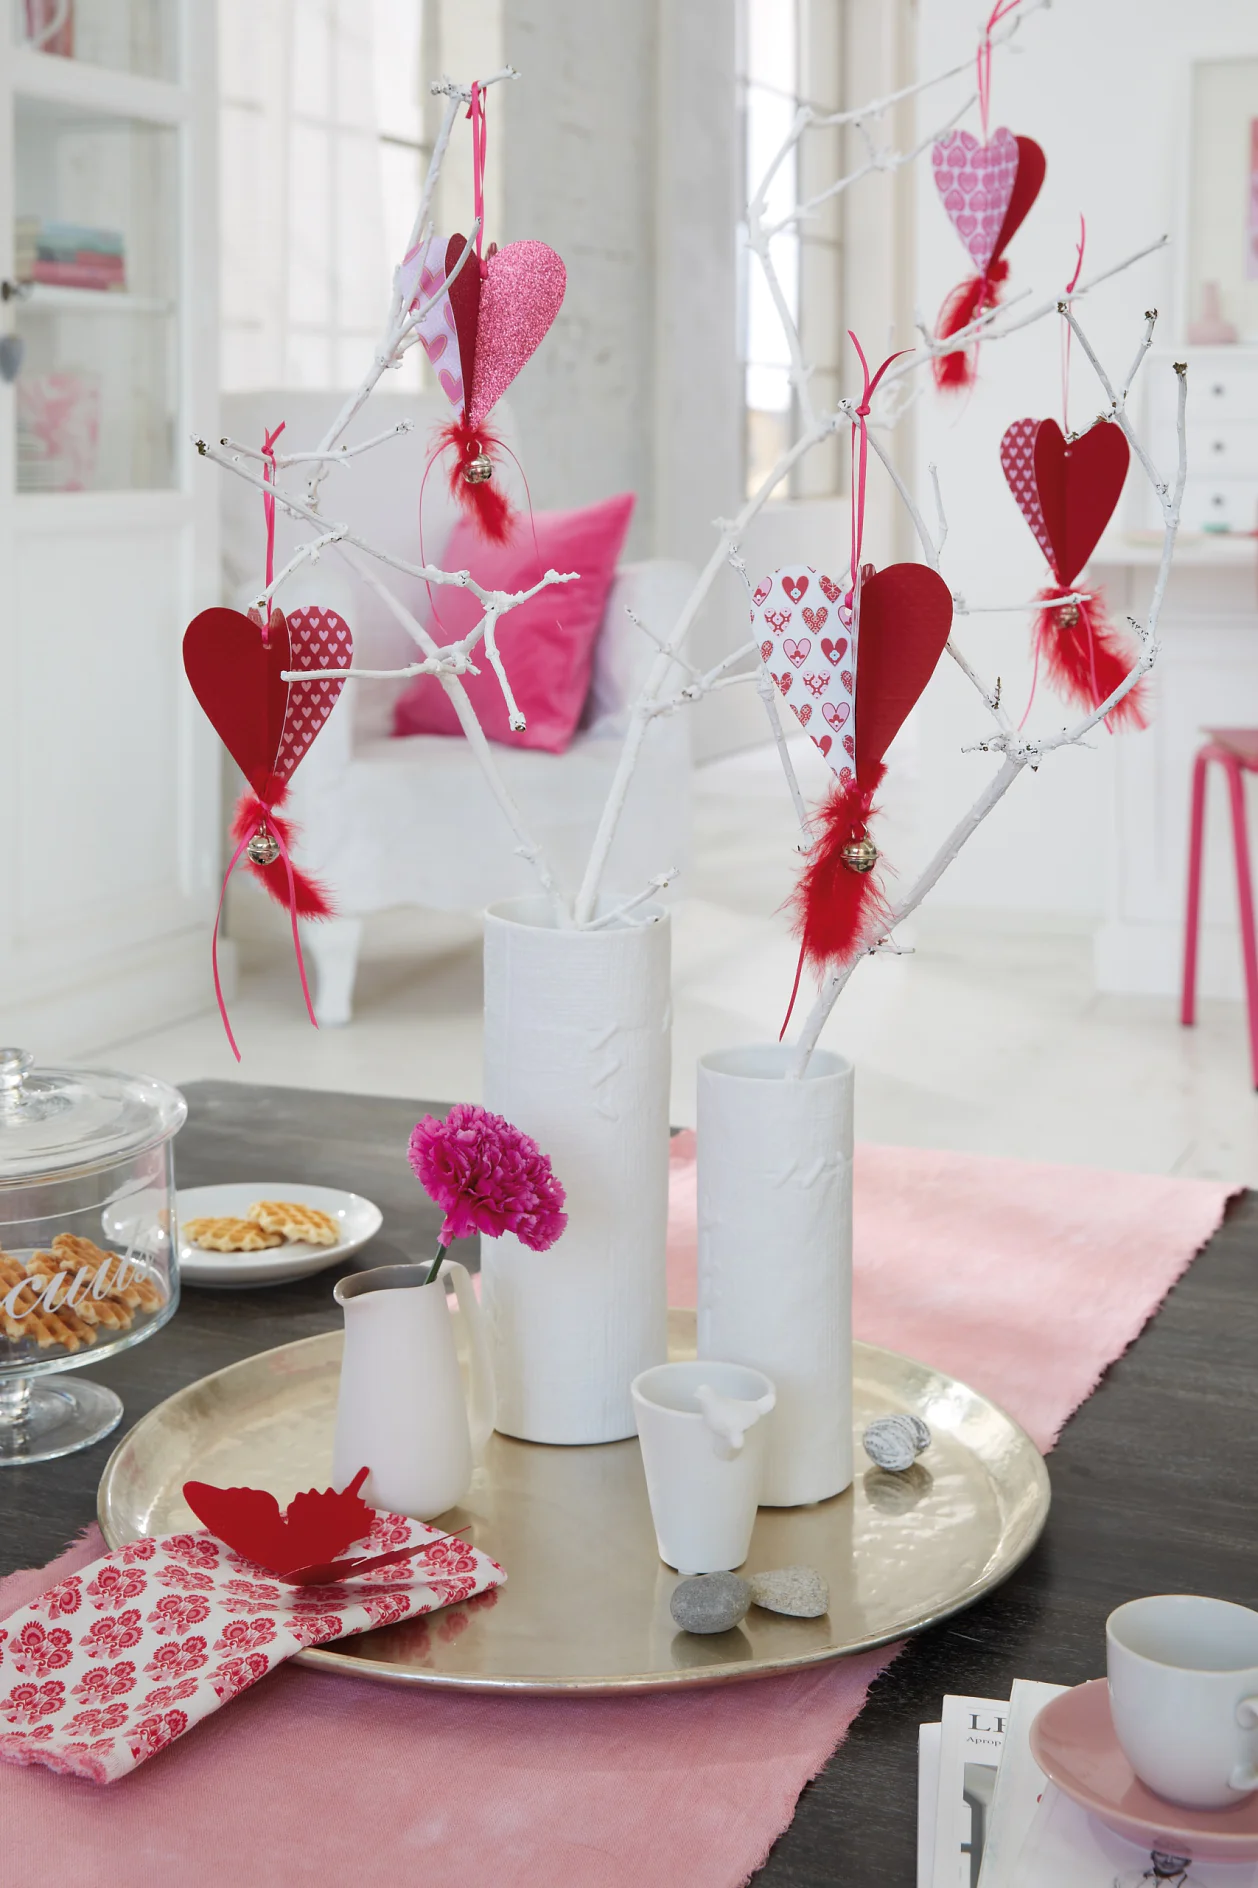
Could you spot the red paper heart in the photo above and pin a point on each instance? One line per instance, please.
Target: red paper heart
(265, 723)
(1027, 184)
(312, 1530)
(236, 678)
(464, 293)
(905, 617)
(1079, 484)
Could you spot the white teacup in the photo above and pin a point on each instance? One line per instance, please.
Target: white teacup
(1183, 1686)
(701, 1427)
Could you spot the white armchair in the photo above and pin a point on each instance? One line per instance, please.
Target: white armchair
(388, 822)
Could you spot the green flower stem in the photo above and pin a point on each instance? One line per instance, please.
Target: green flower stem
(436, 1264)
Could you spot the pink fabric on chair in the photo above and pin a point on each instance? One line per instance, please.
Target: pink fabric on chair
(546, 644)
(1024, 1280)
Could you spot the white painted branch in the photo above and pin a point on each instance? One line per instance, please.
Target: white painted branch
(527, 846)
(307, 553)
(1016, 752)
(837, 981)
(488, 624)
(657, 884)
(768, 695)
(281, 460)
(660, 643)
(940, 513)
(962, 608)
(430, 573)
(878, 106)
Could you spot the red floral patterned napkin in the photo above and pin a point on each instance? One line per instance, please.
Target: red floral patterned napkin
(106, 1668)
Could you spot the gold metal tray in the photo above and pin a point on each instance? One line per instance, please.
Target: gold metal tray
(585, 1608)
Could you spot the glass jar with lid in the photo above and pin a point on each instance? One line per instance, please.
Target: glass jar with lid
(88, 1243)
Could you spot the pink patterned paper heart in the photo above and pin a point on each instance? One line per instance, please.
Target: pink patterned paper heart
(1017, 462)
(976, 183)
(520, 296)
(819, 693)
(317, 639)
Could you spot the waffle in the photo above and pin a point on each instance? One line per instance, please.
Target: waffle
(296, 1222)
(230, 1235)
(124, 1284)
(64, 1327)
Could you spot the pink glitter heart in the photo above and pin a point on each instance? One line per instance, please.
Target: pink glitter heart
(976, 183)
(520, 296)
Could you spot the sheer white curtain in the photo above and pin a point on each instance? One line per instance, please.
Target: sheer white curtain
(321, 138)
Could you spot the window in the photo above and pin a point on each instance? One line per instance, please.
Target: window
(789, 53)
(322, 161)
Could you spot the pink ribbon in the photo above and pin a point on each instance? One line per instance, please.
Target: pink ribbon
(268, 512)
(267, 826)
(984, 58)
(476, 112)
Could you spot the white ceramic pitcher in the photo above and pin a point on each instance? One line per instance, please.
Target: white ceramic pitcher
(402, 1411)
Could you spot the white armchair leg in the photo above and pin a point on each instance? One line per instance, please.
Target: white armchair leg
(332, 944)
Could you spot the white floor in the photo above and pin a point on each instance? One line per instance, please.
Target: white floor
(990, 1042)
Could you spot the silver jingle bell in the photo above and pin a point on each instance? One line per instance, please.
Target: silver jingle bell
(1068, 615)
(860, 855)
(263, 848)
(477, 470)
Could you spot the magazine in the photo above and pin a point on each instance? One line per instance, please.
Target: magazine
(1019, 1784)
(971, 1735)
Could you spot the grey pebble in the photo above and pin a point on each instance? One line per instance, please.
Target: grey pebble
(710, 1602)
(799, 1591)
(893, 1442)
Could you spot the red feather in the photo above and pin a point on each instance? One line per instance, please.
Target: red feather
(310, 898)
(837, 911)
(485, 503)
(966, 302)
(1085, 660)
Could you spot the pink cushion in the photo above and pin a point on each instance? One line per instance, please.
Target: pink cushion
(546, 644)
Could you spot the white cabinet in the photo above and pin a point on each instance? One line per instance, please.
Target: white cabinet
(108, 775)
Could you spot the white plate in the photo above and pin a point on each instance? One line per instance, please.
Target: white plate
(359, 1221)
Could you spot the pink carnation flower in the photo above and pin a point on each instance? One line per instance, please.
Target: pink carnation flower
(487, 1177)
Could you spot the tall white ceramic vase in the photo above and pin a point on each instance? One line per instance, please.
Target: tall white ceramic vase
(775, 1252)
(577, 1053)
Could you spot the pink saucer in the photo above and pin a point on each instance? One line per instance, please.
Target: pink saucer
(1073, 1742)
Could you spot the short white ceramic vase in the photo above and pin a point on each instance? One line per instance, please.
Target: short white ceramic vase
(775, 1251)
(577, 1054)
(702, 1430)
(402, 1410)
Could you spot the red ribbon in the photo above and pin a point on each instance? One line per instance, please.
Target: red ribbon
(1071, 285)
(268, 512)
(271, 827)
(860, 454)
(984, 58)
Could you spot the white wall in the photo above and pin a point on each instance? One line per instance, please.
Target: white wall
(621, 154)
(1103, 86)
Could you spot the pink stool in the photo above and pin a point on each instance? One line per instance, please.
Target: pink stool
(1236, 751)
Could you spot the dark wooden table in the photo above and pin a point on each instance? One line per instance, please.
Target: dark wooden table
(1153, 1479)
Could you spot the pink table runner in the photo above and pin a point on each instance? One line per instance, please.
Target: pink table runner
(1024, 1280)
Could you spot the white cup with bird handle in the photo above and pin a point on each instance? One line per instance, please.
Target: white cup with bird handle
(702, 1429)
